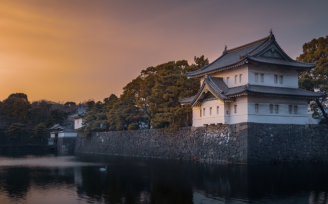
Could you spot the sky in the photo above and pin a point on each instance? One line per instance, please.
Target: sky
(76, 50)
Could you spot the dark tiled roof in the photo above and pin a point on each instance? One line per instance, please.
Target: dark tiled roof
(240, 55)
(57, 127)
(187, 100)
(215, 85)
(293, 63)
(81, 110)
(235, 90)
(219, 89)
(274, 91)
(218, 81)
(283, 91)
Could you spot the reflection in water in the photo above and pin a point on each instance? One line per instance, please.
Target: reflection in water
(77, 179)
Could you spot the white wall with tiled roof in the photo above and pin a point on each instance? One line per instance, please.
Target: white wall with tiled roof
(246, 111)
(227, 114)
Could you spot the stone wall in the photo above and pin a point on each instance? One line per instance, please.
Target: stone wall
(66, 145)
(214, 143)
(287, 143)
(243, 142)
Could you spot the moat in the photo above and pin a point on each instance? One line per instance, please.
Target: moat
(77, 179)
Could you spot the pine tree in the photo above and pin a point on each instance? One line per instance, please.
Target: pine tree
(316, 51)
(16, 131)
(40, 131)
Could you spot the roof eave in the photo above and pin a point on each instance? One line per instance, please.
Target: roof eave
(284, 95)
(285, 66)
(220, 69)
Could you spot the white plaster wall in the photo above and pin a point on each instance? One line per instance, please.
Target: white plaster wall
(67, 134)
(242, 111)
(78, 123)
(226, 112)
(283, 117)
(290, 76)
(52, 135)
(231, 73)
(312, 120)
(208, 119)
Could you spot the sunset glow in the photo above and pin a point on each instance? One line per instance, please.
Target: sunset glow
(81, 49)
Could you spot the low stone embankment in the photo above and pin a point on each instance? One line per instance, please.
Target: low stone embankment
(244, 142)
(218, 143)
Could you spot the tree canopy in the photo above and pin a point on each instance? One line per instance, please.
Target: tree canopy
(16, 131)
(149, 100)
(316, 79)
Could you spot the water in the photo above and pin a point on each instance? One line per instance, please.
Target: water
(77, 179)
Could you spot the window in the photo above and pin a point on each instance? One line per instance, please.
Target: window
(271, 108)
(295, 109)
(227, 112)
(240, 76)
(236, 78)
(280, 79)
(256, 77)
(203, 111)
(262, 77)
(290, 109)
(227, 80)
(275, 79)
(217, 110)
(256, 108)
(235, 109)
(276, 109)
(210, 110)
(200, 113)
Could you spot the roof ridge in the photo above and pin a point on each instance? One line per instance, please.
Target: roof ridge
(248, 45)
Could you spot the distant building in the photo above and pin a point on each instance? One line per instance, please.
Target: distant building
(58, 131)
(256, 82)
(78, 118)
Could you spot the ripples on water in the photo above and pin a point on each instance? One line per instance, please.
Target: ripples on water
(77, 179)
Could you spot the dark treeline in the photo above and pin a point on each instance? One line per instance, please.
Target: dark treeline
(20, 116)
(150, 100)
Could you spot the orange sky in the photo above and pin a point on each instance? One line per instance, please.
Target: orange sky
(75, 50)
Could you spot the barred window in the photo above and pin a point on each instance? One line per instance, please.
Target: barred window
(236, 77)
(281, 79)
(217, 110)
(210, 110)
(227, 80)
(256, 108)
(295, 109)
(290, 109)
(275, 79)
(200, 113)
(240, 78)
(256, 77)
(262, 78)
(276, 109)
(271, 108)
(203, 111)
(235, 109)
